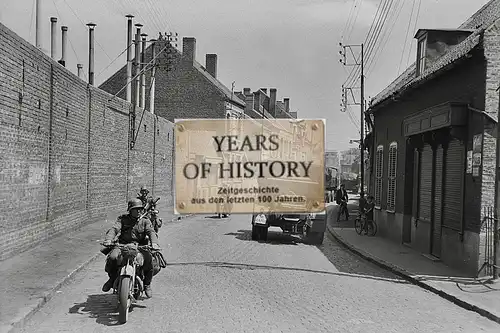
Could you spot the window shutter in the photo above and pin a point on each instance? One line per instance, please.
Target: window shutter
(378, 175)
(391, 175)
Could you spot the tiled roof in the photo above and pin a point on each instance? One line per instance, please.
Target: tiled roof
(408, 78)
(479, 21)
(218, 84)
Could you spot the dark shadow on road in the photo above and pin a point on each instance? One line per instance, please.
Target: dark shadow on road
(102, 307)
(273, 237)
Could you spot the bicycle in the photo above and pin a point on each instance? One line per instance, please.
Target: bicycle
(361, 222)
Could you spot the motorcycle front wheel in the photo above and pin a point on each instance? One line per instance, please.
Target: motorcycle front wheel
(124, 299)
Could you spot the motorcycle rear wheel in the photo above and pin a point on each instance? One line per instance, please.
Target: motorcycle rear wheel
(124, 299)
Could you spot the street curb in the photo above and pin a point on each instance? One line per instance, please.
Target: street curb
(19, 323)
(407, 276)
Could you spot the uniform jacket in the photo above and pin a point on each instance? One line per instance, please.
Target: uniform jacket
(130, 230)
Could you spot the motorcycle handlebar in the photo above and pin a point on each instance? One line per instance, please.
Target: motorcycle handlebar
(122, 246)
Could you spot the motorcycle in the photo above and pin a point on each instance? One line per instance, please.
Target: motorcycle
(129, 284)
(152, 214)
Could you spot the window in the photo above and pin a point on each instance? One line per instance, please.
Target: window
(379, 164)
(421, 49)
(391, 176)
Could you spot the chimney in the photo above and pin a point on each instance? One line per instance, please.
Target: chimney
(79, 68)
(137, 64)
(272, 101)
(248, 101)
(211, 64)
(38, 25)
(143, 75)
(129, 57)
(91, 52)
(189, 49)
(64, 33)
(287, 104)
(53, 26)
(257, 101)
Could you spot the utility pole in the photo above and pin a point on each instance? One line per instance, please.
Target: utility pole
(361, 103)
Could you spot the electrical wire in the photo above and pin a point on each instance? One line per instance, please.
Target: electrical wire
(414, 27)
(406, 37)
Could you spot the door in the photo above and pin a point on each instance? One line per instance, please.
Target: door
(425, 184)
(453, 185)
(438, 204)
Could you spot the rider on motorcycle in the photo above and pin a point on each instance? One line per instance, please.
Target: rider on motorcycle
(143, 195)
(128, 228)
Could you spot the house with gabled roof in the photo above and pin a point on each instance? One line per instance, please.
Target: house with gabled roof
(183, 87)
(432, 143)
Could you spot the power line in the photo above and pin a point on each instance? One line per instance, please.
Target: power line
(406, 37)
(414, 27)
(78, 17)
(383, 42)
(370, 40)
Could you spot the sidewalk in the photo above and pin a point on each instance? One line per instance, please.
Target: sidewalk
(31, 278)
(436, 277)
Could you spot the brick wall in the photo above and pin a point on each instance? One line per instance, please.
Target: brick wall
(491, 43)
(65, 145)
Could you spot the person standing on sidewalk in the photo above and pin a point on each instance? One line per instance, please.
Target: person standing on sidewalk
(341, 198)
(127, 229)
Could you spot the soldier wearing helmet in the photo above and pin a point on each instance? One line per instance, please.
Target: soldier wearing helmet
(130, 228)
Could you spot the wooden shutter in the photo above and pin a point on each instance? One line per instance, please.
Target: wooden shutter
(453, 199)
(378, 175)
(425, 195)
(391, 175)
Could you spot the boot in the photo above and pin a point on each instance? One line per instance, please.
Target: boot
(148, 277)
(148, 291)
(109, 284)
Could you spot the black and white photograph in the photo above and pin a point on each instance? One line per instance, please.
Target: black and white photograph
(210, 166)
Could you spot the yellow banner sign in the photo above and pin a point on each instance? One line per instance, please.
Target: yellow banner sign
(249, 165)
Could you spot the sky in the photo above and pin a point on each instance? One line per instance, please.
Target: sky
(290, 45)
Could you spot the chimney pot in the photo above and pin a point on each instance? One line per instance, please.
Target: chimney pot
(246, 91)
(189, 49)
(64, 30)
(53, 26)
(211, 64)
(79, 68)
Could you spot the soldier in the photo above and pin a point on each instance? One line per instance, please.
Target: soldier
(128, 228)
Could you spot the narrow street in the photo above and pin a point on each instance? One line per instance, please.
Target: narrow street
(218, 280)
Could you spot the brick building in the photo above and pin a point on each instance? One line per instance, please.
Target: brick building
(186, 89)
(442, 109)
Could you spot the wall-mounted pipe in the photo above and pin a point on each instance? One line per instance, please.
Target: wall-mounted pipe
(64, 32)
(153, 73)
(143, 75)
(137, 60)
(38, 25)
(53, 27)
(79, 68)
(91, 52)
(129, 57)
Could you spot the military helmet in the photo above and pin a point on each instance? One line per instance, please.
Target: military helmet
(134, 203)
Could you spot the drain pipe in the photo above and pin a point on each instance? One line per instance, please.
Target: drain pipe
(91, 52)
(53, 26)
(64, 31)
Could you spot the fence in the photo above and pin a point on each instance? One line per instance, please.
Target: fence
(489, 227)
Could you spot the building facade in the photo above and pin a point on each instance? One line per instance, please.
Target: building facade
(432, 146)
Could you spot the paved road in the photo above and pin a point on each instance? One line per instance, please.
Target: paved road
(219, 280)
